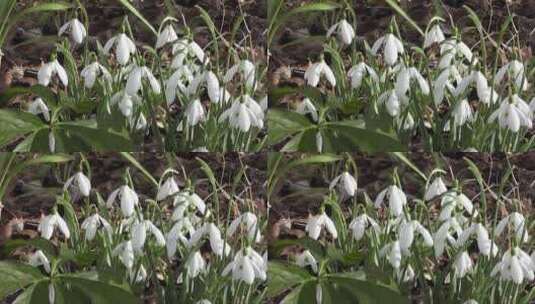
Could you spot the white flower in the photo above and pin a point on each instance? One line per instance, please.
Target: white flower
(307, 107)
(512, 114)
(516, 265)
(392, 46)
(392, 251)
(92, 71)
(49, 223)
(484, 92)
(319, 294)
(92, 223)
(316, 70)
(392, 102)
(138, 277)
(243, 115)
(133, 84)
(195, 265)
(436, 188)
(318, 222)
(347, 182)
(81, 182)
(48, 70)
(246, 69)
(194, 113)
(358, 72)
(38, 258)
(443, 234)
(516, 73)
(125, 101)
(359, 224)
(177, 83)
(183, 201)
(139, 234)
(51, 293)
(396, 199)
(462, 265)
(168, 188)
(128, 199)
(125, 252)
(218, 245)
(305, 259)
(77, 29)
(403, 81)
(184, 48)
(450, 48)
(51, 142)
(434, 35)
(484, 243)
(124, 47)
(246, 266)
(452, 201)
(344, 31)
(203, 301)
(471, 301)
(406, 235)
(249, 220)
(212, 86)
(444, 81)
(319, 142)
(517, 222)
(462, 113)
(38, 106)
(167, 35)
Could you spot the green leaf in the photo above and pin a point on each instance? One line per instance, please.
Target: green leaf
(136, 13)
(16, 124)
(282, 124)
(43, 244)
(352, 133)
(97, 139)
(15, 276)
(45, 93)
(366, 292)
(403, 14)
(140, 167)
(283, 276)
(401, 156)
(100, 292)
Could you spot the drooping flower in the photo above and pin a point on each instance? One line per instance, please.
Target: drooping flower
(247, 266)
(178, 233)
(357, 73)
(316, 70)
(392, 102)
(92, 71)
(434, 35)
(94, 222)
(246, 69)
(139, 234)
(516, 73)
(406, 235)
(76, 28)
(124, 47)
(396, 199)
(392, 251)
(183, 48)
(444, 235)
(127, 197)
(485, 93)
(436, 188)
(462, 113)
(359, 224)
(50, 222)
(316, 223)
(38, 258)
(445, 81)
(392, 47)
(463, 265)
(516, 266)
(344, 31)
(38, 106)
(195, 264)
(513, 114)
(81, 182)
(485, 245)
(403, 81)
(168, 188)
(48, 70)
(134, 82)
(218, 245)
(167, 35)
(307, 107)
(244, 113)
(451, 48)
(125, 102)
(517, 222)
(125, 252)
(347, 182)
(249, 221)
(183, 201)
(305, 259)
(452, 201)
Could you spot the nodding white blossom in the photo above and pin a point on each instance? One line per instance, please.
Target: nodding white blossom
(218, 245)
(168, 188)
(463, 265)
(250, 221)
(195, 264)
(344, 31)
(305, 259)
(167, 35)
(316, 70)
(357, 73)
(392, 252)
(436, 188)
(445, 81)
(38, 258)
(318, 222)
(516, 73)
(517, 222)
(307, 107)
(178, 233)
(127, 197)
(452, 201)
(319, 142)
(403, 81)
(125, 102)
(183, 48)
(247, 266)
(433, 35)
(48, 70)
(244, 113)
(51, 142)
(451, 48)
(134, 84)
(444, 234)
(513, 114)
(38, 106)
(391, 101)
(50, 222)
(124, 47)
(125, 252)
(359, 224)
(94, 222)
(183, 201)
(516, 266)
(484, 243)
(406, 235)
(92, 71)
(178, 83)
(462, 113)
(246, 69)
(347, 182)
(407, 275)
(194, 113)
(396, 199)
(139, 234)
(76, 28)
(81, 182)
(392, 47)
(485, 93)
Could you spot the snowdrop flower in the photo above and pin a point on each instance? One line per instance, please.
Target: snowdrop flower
(48, 70)
(127, 197)
(443, 234)
(347, 182)
(307, 107)
(92, 223)
(139, 234)
(246, 69)
(249, 220)
(92, 71)
(194, 113)
(396, 199)
(218, 245)
(182, 48)
(167, 35)
(516, 266)
(443, 82)
(403, 81)
(406, 235)
(434, 35)
(512, 114)
(168, 188)
(124, 47)
(305, 259)
(38, 106)
(243, 115)
(392, 251)
(344, 31)
(125, 252)
(392, 102)
(516, 72)
(462, 265)
(484, 243)
(357, 73)
(316, 70)
(177, 83)
(451, 48)
(318, 222)
(177, 233)
(436, 188)
(462, 113)
(195, 265)
(392, 47)
(38, 258)
(246, 266)
(50, 222)
(81, 182)
(484, 92)
(125, 101)
(133, 84)
(77, 29)
(212, 86)
(359, 224)
(452, 201)
(183, 201)
(517, 221)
